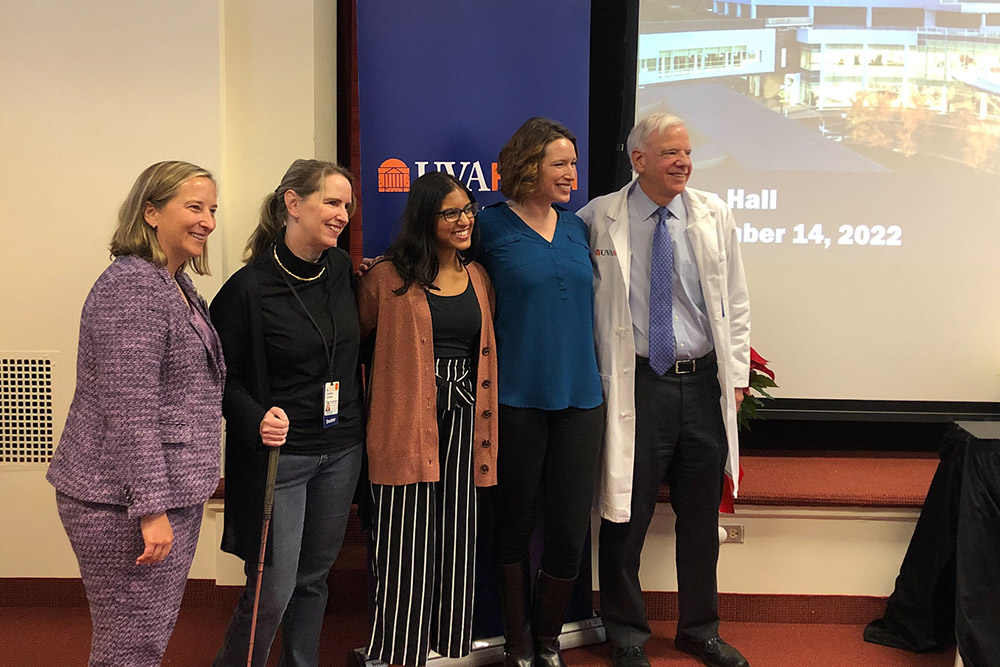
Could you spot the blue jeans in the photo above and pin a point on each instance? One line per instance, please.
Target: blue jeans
(312, 501)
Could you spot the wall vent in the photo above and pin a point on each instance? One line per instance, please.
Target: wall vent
(26, 428)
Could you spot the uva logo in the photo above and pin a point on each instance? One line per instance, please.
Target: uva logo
(394, 175)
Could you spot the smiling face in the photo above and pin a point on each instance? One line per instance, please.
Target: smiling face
(664, 164)
(454, 235)
(183, 224)
(556, 172)
(316, 221)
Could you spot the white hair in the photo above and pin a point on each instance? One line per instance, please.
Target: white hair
(657, 122)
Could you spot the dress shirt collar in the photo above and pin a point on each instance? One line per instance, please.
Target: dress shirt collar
(647, 208)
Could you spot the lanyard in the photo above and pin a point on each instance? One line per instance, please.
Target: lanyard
(329, 348)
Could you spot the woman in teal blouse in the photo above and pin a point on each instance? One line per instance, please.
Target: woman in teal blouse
(551, 410)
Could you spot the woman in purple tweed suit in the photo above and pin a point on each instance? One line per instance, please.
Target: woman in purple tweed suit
(139, 455)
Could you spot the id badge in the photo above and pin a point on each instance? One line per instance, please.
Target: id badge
(331, 404)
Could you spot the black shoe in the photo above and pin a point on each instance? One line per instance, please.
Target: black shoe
(713, 651)
(629, 656)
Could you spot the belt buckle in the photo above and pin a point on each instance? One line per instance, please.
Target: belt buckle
(685, 366)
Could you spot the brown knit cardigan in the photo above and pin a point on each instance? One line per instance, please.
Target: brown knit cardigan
(402, 419)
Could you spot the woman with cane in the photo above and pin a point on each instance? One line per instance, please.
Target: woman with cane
(289, 329)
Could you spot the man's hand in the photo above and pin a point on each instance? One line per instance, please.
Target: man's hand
(740, 394)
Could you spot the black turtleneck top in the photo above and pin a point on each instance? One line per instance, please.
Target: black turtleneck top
(297, 362)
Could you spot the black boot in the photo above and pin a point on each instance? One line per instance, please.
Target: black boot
(547, 613)
(515, 600)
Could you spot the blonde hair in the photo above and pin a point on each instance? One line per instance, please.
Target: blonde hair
(156, 185)
(303, 177)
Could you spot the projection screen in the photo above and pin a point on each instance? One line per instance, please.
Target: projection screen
(859, 147)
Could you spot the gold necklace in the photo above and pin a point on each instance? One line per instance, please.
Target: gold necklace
(274, 250)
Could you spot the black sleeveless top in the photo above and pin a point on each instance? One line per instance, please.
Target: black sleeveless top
(456, 321)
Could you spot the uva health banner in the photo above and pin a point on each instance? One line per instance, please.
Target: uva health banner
(443, 84)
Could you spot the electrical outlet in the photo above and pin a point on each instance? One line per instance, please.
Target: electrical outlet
(734, 533)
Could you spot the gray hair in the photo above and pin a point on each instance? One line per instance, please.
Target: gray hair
(657, 122)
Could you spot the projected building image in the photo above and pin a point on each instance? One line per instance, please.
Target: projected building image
(891, 78)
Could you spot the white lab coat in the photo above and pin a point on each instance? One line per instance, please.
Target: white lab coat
(712, 232)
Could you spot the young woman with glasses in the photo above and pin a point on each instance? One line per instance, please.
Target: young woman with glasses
(432, 425)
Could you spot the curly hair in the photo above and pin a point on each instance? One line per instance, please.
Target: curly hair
(521, 157)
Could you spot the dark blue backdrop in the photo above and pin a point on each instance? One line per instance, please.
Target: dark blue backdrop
(444, 83)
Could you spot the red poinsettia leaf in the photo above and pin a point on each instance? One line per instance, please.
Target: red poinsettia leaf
(727, 505)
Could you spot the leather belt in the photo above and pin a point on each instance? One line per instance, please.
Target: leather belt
(687, 366)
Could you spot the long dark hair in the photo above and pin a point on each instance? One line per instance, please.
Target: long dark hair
(304, 177)
(414, 252)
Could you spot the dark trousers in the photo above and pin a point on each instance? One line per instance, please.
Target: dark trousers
(552, 456)
(680, 438)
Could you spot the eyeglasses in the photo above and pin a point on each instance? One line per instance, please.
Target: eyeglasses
(453, 214)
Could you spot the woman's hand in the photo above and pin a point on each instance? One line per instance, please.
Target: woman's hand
(274, 427)
(158, 536)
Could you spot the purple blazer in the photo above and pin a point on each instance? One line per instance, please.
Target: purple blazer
(145, 425)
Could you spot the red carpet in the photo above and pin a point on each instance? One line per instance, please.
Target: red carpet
(776, 645)
(54, 637)
(852, 479)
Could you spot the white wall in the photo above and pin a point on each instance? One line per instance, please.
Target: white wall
(787, 550)
(92, 93)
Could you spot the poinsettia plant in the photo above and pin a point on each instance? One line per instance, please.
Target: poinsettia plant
(761, 379)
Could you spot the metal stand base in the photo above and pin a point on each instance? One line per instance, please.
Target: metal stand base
(490, 651)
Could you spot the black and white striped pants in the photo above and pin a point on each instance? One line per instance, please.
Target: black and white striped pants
(425, 541)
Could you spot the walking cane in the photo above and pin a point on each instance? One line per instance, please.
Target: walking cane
(272, 474)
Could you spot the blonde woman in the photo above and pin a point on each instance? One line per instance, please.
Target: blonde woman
(139, 455)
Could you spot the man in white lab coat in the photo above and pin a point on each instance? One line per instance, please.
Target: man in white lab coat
(672, 329)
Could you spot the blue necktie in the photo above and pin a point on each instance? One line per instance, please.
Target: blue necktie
(662, 347)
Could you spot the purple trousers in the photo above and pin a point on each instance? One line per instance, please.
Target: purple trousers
(133, 608)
